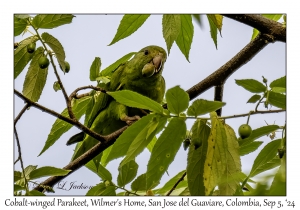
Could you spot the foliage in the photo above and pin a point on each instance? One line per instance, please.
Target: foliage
(214, 150)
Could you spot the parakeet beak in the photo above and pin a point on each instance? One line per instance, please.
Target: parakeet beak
(158, 62)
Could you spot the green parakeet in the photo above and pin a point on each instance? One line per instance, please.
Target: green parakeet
(142, 74)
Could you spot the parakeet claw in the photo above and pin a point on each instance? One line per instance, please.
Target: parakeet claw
(130, 120)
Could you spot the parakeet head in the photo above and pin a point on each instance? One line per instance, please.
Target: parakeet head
(150, 60)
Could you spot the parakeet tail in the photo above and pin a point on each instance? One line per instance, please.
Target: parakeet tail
(76, 138)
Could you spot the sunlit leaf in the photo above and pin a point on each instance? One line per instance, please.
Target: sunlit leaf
(128, 25)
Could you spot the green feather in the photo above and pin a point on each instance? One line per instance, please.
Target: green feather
(107, 115)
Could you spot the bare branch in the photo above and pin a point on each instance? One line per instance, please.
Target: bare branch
(66, 119)
(175, 185)
(219, 76)
(20, 156)
(264, 25)
(21, 113)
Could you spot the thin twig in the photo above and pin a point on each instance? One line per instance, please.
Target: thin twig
(20, 157)
(175, 185)
(68, 102)
(21, 113)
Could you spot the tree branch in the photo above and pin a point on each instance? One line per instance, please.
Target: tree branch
(175, 185)
(21, 113)
(84, 158)
(66, 119)
(264, 25)
(219, 76)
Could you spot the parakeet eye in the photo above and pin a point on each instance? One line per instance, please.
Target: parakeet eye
(146, 52)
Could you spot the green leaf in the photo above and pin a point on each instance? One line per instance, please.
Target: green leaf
(251, 85)
(18, 188)
(56, 47)
(278, 186)
(151, 144)
(257, 133)
(95, 69)
(265, 157)
(51, 21)
(254, 33)
(214, 166)
(196, 157)
(98, 102)
(100, 170)
(281, 82)
(248, 148)
(171, 29)
(136, 100)
(177, 99)
(27, 171)
(105, 154)
(17, 175)
(279, 90)
(274, 17)
(230, 180)
(104, 80)
(22, 16)
(108, 70)
(141, 141)
(21, 56)
(101, 190)
(215, 22)
(122, 144)
(254, 98)
(47, 171)
(198, 19)
(139, 184)
(201, 106)
(36, 193)
(36, 77)
(128, 25)
(20, 25)
(127, 172)
(164, 151)
(60, 127)
(277, 99)
(185, 37)
(170, 184)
